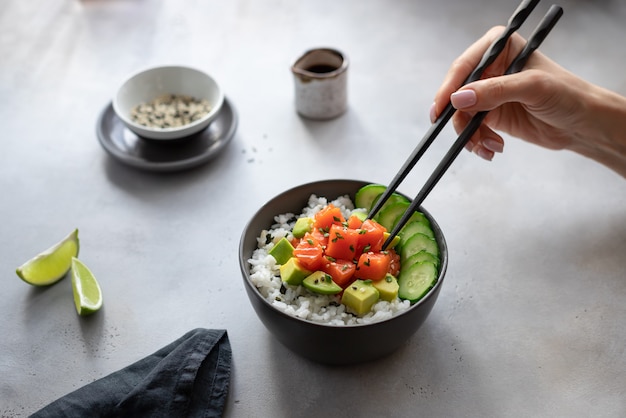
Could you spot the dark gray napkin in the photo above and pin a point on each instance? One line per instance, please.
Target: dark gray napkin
(187, 378)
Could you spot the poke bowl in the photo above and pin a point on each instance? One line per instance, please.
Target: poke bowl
(311, 308)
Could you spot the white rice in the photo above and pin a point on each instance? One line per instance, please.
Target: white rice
(297, 300)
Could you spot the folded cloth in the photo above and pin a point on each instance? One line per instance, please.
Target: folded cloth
(187, 378)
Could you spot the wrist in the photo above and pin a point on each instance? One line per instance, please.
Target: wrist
(603, 137)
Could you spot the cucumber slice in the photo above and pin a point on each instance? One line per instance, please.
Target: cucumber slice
(390, 211)
(418, 242)
(421, 256)
(392, 200)
(413, 228)
(365, 196)
(416, 280)
(416, 217)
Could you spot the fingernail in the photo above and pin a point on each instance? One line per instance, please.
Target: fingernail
(493, 145)
(469, 146)
(463, 98)
(484, 153)
(433, 115)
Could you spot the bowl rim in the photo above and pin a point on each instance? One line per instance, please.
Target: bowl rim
(243, 263)
(217, 106)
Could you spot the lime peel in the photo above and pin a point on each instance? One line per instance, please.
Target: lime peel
(87, 292)
(51, 265)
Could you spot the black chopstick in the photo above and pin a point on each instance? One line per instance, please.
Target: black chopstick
(536, 38)
(515, 21)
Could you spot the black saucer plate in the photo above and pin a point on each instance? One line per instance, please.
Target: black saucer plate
(171, 155)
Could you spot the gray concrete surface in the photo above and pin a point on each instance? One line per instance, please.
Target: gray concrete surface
(531, 321)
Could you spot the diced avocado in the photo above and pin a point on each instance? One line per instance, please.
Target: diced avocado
(387, 287)
(282, 251)
(395, 241)
(292, 272)
(302, 226)
(322, 283)
(360, 296)
(362, 216)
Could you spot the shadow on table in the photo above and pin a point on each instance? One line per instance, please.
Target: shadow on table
(417, 374)
(138, 181)
(57, 300)
(337, 133)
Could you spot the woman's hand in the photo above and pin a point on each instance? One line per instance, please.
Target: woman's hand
(543, 104)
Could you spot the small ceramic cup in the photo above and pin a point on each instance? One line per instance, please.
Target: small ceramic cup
(321, 83)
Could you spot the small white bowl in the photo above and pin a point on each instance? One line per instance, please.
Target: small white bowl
(147, 85)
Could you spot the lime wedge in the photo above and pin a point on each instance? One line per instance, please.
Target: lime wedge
(51, 265)
(87, 293)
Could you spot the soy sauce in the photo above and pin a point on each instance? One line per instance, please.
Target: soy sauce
(320, 68)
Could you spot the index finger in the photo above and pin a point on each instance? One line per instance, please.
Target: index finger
(463, 65)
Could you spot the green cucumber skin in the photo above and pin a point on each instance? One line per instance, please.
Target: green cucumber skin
(391, 201)
(417, 276)
(389, 213)
(366, 195)
(409, 231)
(414, 228)
(416, 280)
(417, 243)
(422, 256)
(415, 217)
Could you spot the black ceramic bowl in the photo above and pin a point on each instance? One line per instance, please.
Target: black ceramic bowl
(330, 344)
